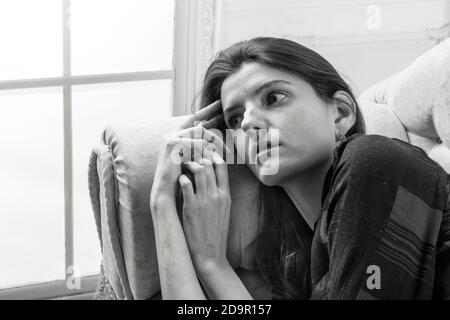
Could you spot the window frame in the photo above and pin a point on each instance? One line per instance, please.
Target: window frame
(183, 16)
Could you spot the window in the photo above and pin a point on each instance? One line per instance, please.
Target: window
(67, 69)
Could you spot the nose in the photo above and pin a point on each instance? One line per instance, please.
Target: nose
(253, 118)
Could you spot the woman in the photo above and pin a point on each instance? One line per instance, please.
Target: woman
(346, 216)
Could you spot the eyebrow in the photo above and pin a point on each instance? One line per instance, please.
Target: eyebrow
(257, 91)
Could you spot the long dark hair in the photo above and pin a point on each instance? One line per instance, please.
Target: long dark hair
(283, 243)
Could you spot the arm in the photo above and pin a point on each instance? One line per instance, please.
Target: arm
(442, 290)
(206, 216)
(176, 271)
(221, 282)
(180, 280)
(177, 274)
(378, 226)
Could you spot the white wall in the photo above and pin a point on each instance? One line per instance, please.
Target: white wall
(366, 43)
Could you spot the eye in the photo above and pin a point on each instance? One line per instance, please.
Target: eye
(234, 121)
(275, 96)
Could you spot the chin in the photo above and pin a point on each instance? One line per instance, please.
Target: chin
(269, 174)
(269, 181)
(279, 172)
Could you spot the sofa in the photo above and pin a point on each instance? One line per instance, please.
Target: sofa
(412, 105)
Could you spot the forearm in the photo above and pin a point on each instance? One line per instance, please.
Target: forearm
(176, 271)
(221, 282)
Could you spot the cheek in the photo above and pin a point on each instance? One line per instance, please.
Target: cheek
(242, 148)
(306, 129)
(309, 140)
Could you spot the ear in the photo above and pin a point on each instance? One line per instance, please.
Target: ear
(345, 114)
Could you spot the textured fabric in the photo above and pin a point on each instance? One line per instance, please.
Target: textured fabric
(419, 96)
(104, 290)
(102, 191)
(381, 119)
(385, 204)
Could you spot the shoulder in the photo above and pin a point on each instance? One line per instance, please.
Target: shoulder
(371, 150)
(381, 156)
(377, 145)
(373, 159)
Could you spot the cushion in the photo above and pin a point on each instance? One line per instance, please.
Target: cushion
(419, 96)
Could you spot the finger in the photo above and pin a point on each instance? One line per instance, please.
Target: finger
(210, 174)
(203, 114)
(191, 132)
(200, 132)
(208, 111)
(214, 122)
(189, 122)
(199, 176)
(187, 189)
(221, 172)
(187, 149)
(216, 142)
(195, 132)
(196, 149)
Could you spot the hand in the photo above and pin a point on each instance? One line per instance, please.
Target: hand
(206, 213)
(182, 147)
(211, 115)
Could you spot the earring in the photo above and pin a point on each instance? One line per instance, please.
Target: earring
(340, 137)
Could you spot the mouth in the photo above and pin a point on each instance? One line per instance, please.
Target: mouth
(265, 154)
(261, 147)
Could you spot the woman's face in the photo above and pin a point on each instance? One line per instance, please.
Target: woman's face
(261, 97)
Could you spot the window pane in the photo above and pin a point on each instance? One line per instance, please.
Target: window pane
(30, 38)
(95, 107)
(32, 186)
(121, 35)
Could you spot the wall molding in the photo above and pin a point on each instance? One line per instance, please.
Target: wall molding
(437, 35)
(242, 6)
(205, 41)
(299, 24)
(194, 49)
(440, 34)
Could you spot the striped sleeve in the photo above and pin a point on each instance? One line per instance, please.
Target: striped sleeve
(442, 289)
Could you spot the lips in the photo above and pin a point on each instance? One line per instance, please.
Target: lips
(266, 152)
(257, 145)
(260, 148)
